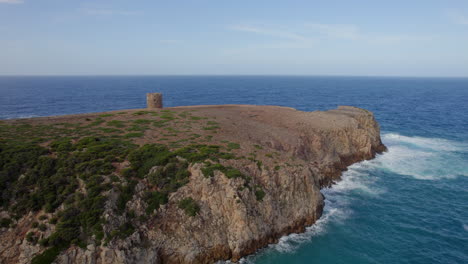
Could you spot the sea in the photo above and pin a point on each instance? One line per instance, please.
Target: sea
(408, 205)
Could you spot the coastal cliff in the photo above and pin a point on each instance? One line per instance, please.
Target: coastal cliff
(180, 185)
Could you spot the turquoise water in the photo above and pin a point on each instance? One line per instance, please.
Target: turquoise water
(409, 205)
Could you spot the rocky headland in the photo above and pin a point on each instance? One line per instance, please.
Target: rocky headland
(175, 185)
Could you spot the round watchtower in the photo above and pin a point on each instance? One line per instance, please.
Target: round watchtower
(154, 100)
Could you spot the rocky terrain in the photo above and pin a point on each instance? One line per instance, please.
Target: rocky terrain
(179, 185)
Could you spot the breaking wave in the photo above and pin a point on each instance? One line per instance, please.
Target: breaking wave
(423, 158)
(418, 157)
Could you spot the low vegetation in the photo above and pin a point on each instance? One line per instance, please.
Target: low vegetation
(68, 170)
(189, 206)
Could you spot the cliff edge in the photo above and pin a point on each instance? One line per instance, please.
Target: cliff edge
(179, 185)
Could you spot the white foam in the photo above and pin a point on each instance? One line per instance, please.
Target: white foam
(356, 178)
(423, 158)
(437, 144)
(21, 117)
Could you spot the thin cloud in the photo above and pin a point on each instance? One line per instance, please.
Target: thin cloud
(108, 12)
(317, 32)
(269, 32)
(456, 17)
(11, 1)
(345, 31)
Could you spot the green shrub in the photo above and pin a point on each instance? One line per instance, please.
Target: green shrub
(123, 231)
(47, 256)
(154, 200)
(116, 123)
(210, 127)
(142, 121)
(126, 194)
(233, 173)
(209, 169)
(134, 135)
(42, 227)
(232, 146)
(141, 113)
(96, 122)
(148, 156)
(106, 115)
(5, 222)
(63, 144)
(189, 205)
(160, 123)
(31, 238)
(259, 193)
(110, 130)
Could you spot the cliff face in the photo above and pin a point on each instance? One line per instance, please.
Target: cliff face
(286, 156)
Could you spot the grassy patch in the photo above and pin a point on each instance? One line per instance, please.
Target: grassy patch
(142, 121)
(211, 127)
(160, 123)
(116, 123)
(106, 115)
(110, 130)
(134, 135)
(232, 146)
(189, 206)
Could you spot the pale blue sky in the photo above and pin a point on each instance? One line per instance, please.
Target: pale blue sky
(103, 37)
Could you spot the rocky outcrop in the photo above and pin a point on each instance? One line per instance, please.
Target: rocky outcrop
(289, 154)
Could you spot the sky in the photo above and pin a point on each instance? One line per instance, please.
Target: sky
(201, 37)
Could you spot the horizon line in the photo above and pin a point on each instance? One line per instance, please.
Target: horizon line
(230, 75)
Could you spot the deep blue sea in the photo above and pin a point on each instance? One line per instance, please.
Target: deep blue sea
(409, 205)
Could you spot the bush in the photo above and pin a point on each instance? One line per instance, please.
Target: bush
(43, 217)
(259, 193)
(126, 194)
(116, 123)
(233, 173)
(60, 145)
(134, 135)
(123, 231)
(142, 121)
(47, 256)
(148, 156)
(31, 238)
(154, 201)
(5, 222)
(189, 205)
(42, 227)
(233, 146)
(209, 169)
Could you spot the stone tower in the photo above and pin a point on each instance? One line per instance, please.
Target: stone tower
(154, 100)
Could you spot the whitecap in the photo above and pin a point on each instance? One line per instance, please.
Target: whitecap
(437, 144)
(20, 117)
(423, 158)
